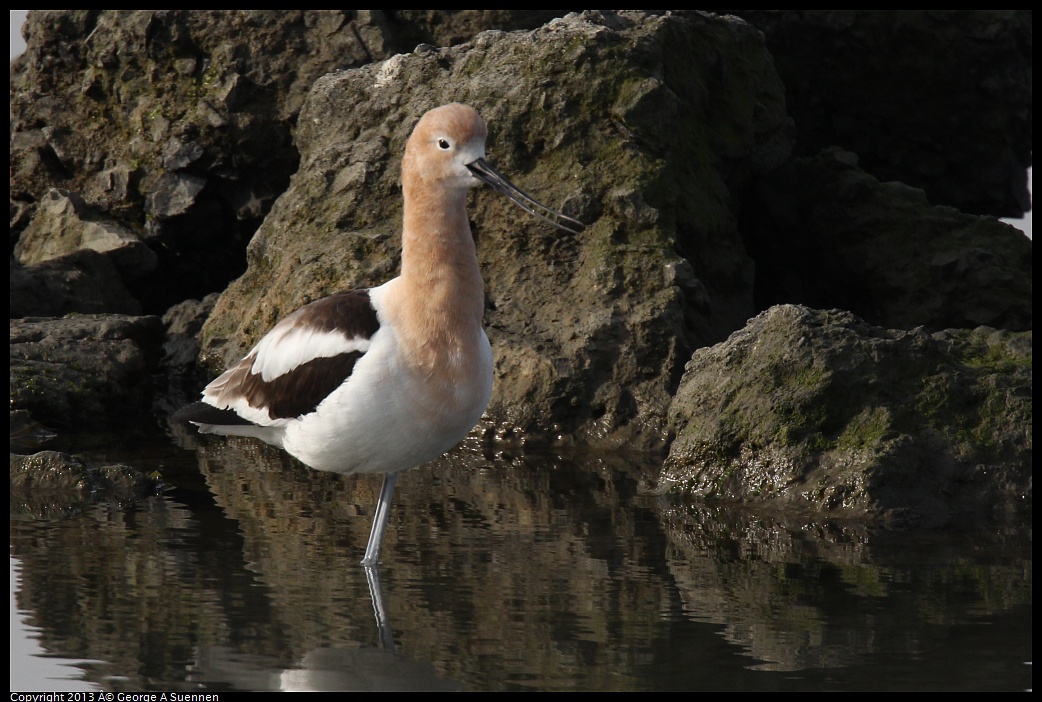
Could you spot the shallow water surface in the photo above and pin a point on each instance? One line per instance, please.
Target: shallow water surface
(501, 572)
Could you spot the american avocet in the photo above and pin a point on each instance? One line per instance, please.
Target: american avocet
(382, 379)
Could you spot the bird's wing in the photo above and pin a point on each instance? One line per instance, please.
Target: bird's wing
(304, 358)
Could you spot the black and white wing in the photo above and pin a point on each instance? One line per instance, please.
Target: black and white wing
(304, 358)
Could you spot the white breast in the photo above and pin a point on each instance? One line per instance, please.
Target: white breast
(386, 417)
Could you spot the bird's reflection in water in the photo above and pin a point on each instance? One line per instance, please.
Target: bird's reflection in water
(383, 623)
(320, 670)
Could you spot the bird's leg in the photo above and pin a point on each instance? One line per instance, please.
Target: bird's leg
(376, 591)
(383, 512)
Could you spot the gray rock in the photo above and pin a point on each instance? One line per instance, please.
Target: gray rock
(63, 224)
(183, 322)
(178, 154)
(50, 484)
(173, 194)
(115, 105)
(938, 99)
(589, 332)
(819, 411)
(82, 282)
(668, 133)
(26, 433)
(827, 234)
(84, 371)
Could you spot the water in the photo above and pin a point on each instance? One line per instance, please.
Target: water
(501, 572)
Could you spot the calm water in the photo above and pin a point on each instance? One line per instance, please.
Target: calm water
(501, 572)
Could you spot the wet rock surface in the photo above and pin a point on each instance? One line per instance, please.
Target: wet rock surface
(52, 484)
(83, 371)
(824, 412)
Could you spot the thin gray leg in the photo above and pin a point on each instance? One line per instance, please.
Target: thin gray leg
(383, 511)
(376, 591)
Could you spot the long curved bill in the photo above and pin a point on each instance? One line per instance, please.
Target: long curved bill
(489, 175)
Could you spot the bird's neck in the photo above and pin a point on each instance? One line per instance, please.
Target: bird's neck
(440, 293)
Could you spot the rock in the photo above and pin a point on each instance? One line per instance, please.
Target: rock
(589, 332)
(819, 411)
(173, 194)
(825, 233)
(183, 375)
(158, 103)
(183, 323)
(50, 484)
(448, 28)
(64, 224)
(83, 282)
(668, 133)
(84, 371)
(938, 99)
(27, 433)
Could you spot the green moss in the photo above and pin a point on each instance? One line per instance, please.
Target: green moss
(933, 398)
(779, 375)
(866, 430)
(993, 357)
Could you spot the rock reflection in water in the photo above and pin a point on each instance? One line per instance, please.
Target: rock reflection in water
(502, 572)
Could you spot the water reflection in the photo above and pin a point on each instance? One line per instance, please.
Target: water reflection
(321, 670)
(505, 572)
(828, 595)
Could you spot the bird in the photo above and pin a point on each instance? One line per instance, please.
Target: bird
(383, 379)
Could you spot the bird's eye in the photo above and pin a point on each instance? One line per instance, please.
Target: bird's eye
(443, 144)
